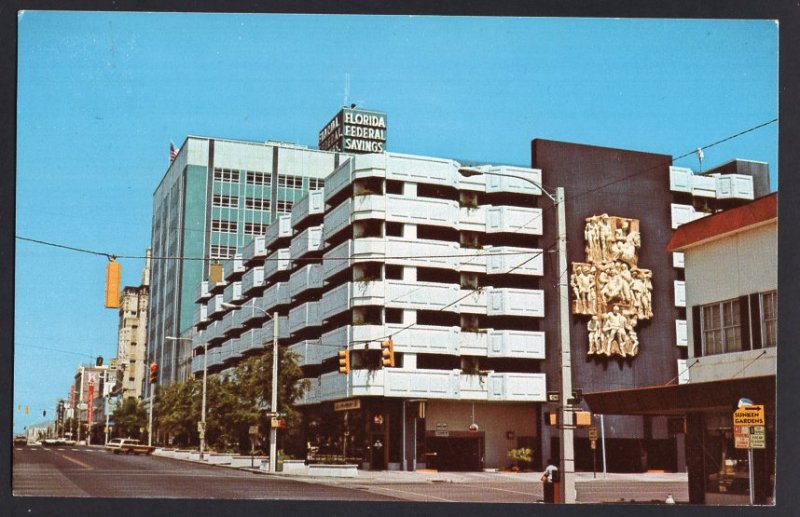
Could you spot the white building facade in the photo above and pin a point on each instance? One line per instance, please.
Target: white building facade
(401, 248)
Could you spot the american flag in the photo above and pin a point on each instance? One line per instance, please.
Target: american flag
(173, 153)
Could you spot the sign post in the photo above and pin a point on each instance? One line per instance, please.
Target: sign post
(750, 433)
(593, 442)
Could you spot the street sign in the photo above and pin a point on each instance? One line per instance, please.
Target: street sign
(594, 444)
(278, 423)
(346, 405)
(201, 426)
(741, 436)
(592, 433)
(553, 396)
(442, 433)
(749, 415)
(253, 431)
(758, 437)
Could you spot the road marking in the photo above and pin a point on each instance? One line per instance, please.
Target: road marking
(505, 490)
(62, 449)
(416, 494)
(19, 448)
(73, 460)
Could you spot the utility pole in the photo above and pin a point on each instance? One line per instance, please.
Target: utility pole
(567, 467)
(273, 431)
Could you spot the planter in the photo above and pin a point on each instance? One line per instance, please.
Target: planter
(291, 466)
(336, 471)
(218, 459)
(181, 455)
(247, 461)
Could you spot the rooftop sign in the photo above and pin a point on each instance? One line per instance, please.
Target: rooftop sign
(355, 131)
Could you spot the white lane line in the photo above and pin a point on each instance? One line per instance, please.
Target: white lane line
(506, 490)
(73, 449)
(63, 449)
(416, 494)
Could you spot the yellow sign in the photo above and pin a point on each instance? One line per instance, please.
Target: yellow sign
(749, 415)
(346, 405)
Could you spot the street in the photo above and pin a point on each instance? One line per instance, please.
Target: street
(93, 472)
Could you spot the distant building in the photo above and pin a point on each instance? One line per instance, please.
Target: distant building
(91, 384)
(131, 362)
(215, 197)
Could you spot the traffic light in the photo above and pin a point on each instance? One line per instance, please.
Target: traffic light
(113, 279)
(344, 361)
(387, 353)
(577, 397)
(153, 373)
(583, 418)
(550, 418)
(44, 413)
(26, 410)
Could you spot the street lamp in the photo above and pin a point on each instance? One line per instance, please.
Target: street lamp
(203, 407)
(567, 467)
(273, 431)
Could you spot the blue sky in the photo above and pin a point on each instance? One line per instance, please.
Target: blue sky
(102, 94)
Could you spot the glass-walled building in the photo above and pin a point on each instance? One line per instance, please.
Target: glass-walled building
(216, 195)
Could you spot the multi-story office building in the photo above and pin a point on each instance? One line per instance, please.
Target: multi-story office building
(132, 337)
(639, 199)
(404, 248)
(215, 197)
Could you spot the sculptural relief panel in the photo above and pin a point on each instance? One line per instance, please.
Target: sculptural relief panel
(610, 287)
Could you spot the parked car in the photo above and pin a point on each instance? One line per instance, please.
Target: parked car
(128, 446)
(20, 439)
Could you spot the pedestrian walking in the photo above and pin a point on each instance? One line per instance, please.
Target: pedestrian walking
(549, 480)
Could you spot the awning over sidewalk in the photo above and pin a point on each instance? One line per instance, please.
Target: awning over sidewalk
(683, 398)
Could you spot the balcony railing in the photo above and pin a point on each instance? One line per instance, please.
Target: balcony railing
(309, 352)
(304, 316)
(253, 279)
(305, 278)
(420, 295)
(337, 219)
(254, 250)
(232, 293)
(681, 336)
(680, 293)
(307, 241)
(512, 219)
(519, 261)
(279, 229)
(203, 292)
(515, 302)
(312, 204)
(277, 261)
(233, 267)
(429, 384)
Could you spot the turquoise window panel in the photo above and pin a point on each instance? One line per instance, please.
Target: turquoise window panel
(193, 241)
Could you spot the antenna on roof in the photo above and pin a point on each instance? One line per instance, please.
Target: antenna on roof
(346, 88)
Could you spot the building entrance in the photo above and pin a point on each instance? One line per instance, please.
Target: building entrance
(455, 453)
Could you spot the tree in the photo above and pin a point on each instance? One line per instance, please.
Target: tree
(234, 402)
(129, 418)
(253, 385)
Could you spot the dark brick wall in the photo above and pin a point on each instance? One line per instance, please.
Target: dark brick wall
(640, 190)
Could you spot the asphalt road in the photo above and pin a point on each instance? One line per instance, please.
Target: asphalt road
(93, 472)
